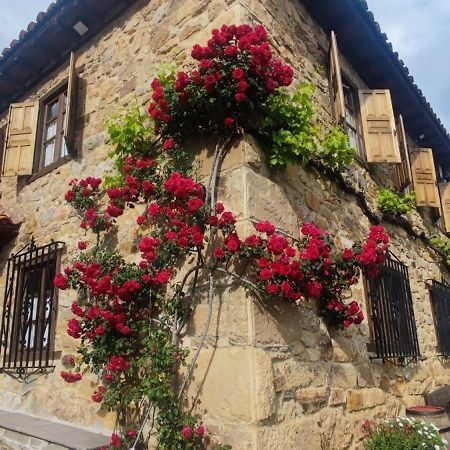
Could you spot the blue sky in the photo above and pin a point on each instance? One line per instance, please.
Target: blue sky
(418, 29)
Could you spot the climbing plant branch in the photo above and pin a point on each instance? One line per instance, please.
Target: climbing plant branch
(129, 332)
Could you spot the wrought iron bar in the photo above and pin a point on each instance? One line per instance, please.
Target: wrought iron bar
(440, 299)
(395, 330)
(29, 310)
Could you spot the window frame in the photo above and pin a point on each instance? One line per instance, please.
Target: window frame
(391, 339)
(436, 300)
(39, 156)
(348, 86)
(18, 323)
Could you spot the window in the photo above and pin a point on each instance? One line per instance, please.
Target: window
(352, 118)
(29, 151)
(29, 309)
(52, 146)
(392, 314)
(367, 115)
(440, 301)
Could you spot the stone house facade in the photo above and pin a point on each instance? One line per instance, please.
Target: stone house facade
(269, 376)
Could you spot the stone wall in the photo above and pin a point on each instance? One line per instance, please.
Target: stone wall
(270, 376)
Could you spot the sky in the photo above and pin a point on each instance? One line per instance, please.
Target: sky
(418, 29)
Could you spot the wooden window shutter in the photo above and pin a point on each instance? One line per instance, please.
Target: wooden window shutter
(403, 175)
(69, 120)
(21, 138)
(378, 122)
(424, 177)
(444, 189)
(337, 91)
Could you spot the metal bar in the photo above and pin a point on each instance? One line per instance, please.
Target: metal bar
(393, 312)
(6, 311)
(50, 273)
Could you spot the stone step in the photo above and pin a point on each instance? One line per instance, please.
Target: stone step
(19, 431)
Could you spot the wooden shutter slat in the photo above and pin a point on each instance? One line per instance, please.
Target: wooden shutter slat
(424, 177)
(403, 176)
(336, 88)
(69, 121)
(444, 189)
(21, 138)
(379, 126)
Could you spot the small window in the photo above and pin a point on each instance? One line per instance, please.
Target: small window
(440, 301)
(41, 132)
(29, 309)
(352, 118)
(52, 146)
(392, 314)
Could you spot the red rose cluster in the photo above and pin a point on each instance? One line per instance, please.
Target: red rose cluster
(236, 70)
(310, 268)
(70, 377)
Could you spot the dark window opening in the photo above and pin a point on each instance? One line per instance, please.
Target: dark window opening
(440, 300)
(352, 118)
(392, 314)
(29, 309)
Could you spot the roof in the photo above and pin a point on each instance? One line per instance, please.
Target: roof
(45, 44)
(368, 49)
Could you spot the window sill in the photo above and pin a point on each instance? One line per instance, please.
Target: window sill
(362, 162)
(50, 168)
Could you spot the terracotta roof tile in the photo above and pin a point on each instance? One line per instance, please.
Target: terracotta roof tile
(370, 18)
(44, 16)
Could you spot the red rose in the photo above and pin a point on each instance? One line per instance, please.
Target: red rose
(70, 195)
(116, 441)
(195, 204)
(60, 281)
(272, 289)
(169, 144)
(229, 121)
(82, 245)
(238, 73)
(219, 253)
(186, 433)
(347, 254)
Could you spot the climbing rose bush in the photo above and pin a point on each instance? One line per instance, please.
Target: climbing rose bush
(129, 316)
(236, 73)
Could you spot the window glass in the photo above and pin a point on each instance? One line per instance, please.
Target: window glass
(49, 153)
(53, 147)
(51, 131)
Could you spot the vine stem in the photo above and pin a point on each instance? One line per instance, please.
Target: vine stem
(211, 193)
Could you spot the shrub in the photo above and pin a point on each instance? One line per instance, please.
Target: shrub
(390, 202)
(403, 433)
(291, 133)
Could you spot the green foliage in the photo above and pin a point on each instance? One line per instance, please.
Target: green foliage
(337, 153)
(288, 124)
(404, 433)
(291, 133)
(442, 244)
(390, 202)
(131, 133)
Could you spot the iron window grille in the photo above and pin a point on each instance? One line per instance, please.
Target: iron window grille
(393, 322)
(29, 310)
(440, 300)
